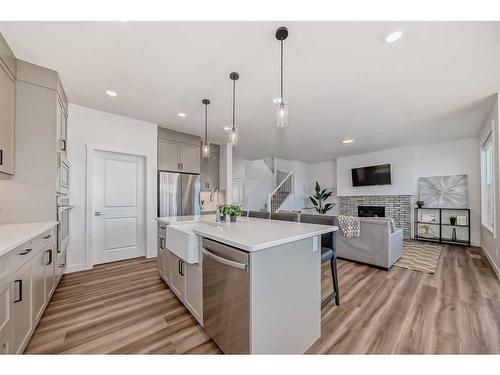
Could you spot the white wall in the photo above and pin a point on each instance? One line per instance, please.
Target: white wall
(325, 173)
(92, 127)
(401, 161)
(490, 242)
(410, 163)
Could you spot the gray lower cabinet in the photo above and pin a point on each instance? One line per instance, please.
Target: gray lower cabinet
(7, 120)
(33, 271)
(21, 318)
(184, 279)
(210, 172)
(174, 156)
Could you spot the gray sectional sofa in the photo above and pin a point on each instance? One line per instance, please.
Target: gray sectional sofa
(380, 243)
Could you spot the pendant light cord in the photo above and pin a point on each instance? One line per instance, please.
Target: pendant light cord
(206, 126)
(281, 70)
(234, 100)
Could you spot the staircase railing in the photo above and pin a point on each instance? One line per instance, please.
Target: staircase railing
(280, 193)
(269, 161)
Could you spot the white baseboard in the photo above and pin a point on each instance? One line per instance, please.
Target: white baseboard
(491, 262)
(77, 268)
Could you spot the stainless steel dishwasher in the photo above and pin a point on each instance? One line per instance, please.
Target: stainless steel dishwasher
(226, 315)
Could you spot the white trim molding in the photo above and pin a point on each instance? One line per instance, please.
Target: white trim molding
(491, 262)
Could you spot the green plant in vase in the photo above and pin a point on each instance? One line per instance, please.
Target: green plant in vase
(233, 210)
(453, 220)
(221, 211)
(419, 204)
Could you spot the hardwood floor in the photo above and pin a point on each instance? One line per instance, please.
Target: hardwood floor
(124, 307)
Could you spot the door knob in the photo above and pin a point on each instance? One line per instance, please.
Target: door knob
(98, 213)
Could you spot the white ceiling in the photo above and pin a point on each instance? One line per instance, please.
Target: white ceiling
(341, 79)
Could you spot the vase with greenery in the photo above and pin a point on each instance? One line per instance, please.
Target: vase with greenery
(221, 211)
(420, 204)
(453, 220)
(319, 197)
(233, 210)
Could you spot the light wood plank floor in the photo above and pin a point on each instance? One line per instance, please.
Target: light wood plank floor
(124, 307)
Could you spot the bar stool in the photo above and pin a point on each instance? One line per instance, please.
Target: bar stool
(328, 252)
(259, 214)
(285, 216)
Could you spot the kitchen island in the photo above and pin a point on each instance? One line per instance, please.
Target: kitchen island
(259, 280)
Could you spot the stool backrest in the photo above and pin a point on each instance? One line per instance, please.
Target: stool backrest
(327, 239)
(259, 214)
(285, 216)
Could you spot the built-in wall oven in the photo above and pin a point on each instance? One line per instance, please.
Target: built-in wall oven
(62, 174)
(63, 208)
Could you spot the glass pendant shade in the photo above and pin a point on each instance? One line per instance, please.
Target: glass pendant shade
(281, 108)
(205, 149)
(233, 137)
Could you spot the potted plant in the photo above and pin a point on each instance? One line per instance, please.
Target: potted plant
(320, 196)
(420, 204)
(453, 220)
(221, 211)
(233, 210)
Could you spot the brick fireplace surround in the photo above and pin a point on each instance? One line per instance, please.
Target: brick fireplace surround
(396, 206)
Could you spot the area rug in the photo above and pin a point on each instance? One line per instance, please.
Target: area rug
(420, 256)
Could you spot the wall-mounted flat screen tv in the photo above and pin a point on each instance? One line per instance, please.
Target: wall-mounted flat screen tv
(374, 175)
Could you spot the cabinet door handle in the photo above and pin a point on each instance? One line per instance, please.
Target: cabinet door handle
(62, 265)
(162, 243)
(20, 295)
(50, 257)
(63, 144)
(182, 268)
(46, 237)
(27, 251)
(1, 157)
(179, 266)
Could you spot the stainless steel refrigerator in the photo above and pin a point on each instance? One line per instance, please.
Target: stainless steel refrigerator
(178, 194)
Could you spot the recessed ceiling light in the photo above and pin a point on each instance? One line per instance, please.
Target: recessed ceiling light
(347, 141)
(227, 128)
(111, 93)
(181, 114)
(392, 37)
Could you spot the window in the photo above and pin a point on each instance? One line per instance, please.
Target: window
(487, 184)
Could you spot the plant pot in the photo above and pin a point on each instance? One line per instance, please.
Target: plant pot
(453, 220)
(232, 218)
(222, 217)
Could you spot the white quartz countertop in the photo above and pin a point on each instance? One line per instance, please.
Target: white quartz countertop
(250, 234)
(14, 235)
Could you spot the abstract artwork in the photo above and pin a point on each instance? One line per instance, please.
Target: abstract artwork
(444, 191)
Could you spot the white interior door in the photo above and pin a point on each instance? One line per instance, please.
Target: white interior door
(118, 225)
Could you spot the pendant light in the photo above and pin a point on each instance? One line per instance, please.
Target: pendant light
(281, 106)
(205, 148)
(233, 135)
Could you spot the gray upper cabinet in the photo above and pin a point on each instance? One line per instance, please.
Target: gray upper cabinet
(7, 107)
(61, 127)
(189, 158)
(210, 171)
(178, 152)
(168, 155)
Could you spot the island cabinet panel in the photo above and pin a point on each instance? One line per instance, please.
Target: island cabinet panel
(177, 280)
(297, 311)
(194, 290)
(4, 318)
